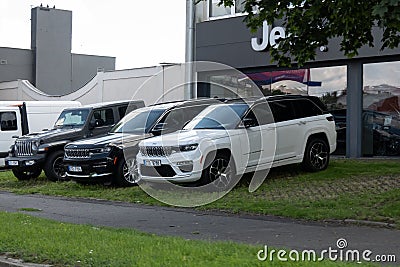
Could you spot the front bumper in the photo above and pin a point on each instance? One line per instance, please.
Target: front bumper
(180, 167)
(27, 162)
(89, 170)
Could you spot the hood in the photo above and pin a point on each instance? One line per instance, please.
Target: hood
(111, 139)
(184, 137)
(53, 134)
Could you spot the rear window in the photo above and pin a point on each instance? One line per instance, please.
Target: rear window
(8, 121)
(305, 108)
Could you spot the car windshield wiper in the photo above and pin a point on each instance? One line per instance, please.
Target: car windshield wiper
(70, 125)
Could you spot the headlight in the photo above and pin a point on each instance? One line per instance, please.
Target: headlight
(189, 147)
(100, 150)
(105, 149)
(35, 145)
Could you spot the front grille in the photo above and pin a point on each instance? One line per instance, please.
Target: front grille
(73, 153)
(23, 148)
(159, 171)
(156, 151)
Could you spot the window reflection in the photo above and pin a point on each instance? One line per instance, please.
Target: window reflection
(328, 83)
(218, 10)
(381, 109)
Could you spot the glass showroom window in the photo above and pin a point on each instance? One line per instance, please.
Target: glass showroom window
(232, 85)
(331, 86)
(327, 83)
(381, 109)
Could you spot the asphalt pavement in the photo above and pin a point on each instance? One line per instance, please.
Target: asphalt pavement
(194, 224)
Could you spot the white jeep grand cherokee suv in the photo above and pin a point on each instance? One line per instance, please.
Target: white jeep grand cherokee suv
(233, 138)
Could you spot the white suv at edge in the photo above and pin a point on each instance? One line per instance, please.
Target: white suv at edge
(242, 136)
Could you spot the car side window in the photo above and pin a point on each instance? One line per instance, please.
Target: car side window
(305, 108)
(122, 111)
(261, 113)
(282, 110)
(192, 111)
(8, 121)
(177, 117)
(102, 117)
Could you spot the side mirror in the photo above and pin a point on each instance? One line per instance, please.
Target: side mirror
(249, 122)
(159, 128)
(92, 125)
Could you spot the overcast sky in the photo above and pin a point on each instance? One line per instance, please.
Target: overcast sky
(138, 33)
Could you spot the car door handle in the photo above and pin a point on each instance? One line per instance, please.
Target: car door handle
(302, 122)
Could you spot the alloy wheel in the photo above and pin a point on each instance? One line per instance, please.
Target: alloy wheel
(59, 168)
(319, 155)
(130, 171)
(220, 173)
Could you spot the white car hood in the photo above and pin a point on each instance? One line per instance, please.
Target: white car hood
(185, 137)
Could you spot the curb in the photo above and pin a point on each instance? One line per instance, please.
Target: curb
(363, 222)
(10, 262)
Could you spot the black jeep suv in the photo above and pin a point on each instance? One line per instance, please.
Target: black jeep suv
(45, 150)
(112, 158)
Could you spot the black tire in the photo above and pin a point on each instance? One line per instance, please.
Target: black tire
(220, 171)
(125, 175)
(24, 175)
(54, 167)
(316, 155)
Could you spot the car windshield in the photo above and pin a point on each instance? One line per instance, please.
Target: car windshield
(71, 118)
(218, 117)
(138, 121)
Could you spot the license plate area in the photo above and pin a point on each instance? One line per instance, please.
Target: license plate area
(13, 163)
(75, 168)
(152, 162)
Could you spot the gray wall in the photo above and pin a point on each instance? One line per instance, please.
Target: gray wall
(51, 44)
(17, 64)
(49, 65)
(228, 41)
(84, 68)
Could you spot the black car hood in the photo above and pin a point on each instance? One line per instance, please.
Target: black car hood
(53, 134)
(111, 139)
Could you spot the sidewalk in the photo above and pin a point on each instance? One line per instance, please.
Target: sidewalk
(192, 224)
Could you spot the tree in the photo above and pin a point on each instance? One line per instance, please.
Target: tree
(311, 23)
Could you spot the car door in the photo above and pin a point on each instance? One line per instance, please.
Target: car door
(287, 129)
(102, 120)
(307, 116)
(9, 122)
(258, 141)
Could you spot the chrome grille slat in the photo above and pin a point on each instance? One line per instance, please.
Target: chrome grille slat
(23, 148)
(79, 153)
(156, 151)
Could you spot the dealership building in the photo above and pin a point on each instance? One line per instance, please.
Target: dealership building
(362, 92)
(49, 64)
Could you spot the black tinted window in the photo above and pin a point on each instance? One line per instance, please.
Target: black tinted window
(103, 117)
(282, 110)
(138, 121)
(122, 111)
(8, 121)
(305, 108)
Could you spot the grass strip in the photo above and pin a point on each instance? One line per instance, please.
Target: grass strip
(348, 189)
(62, 244)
